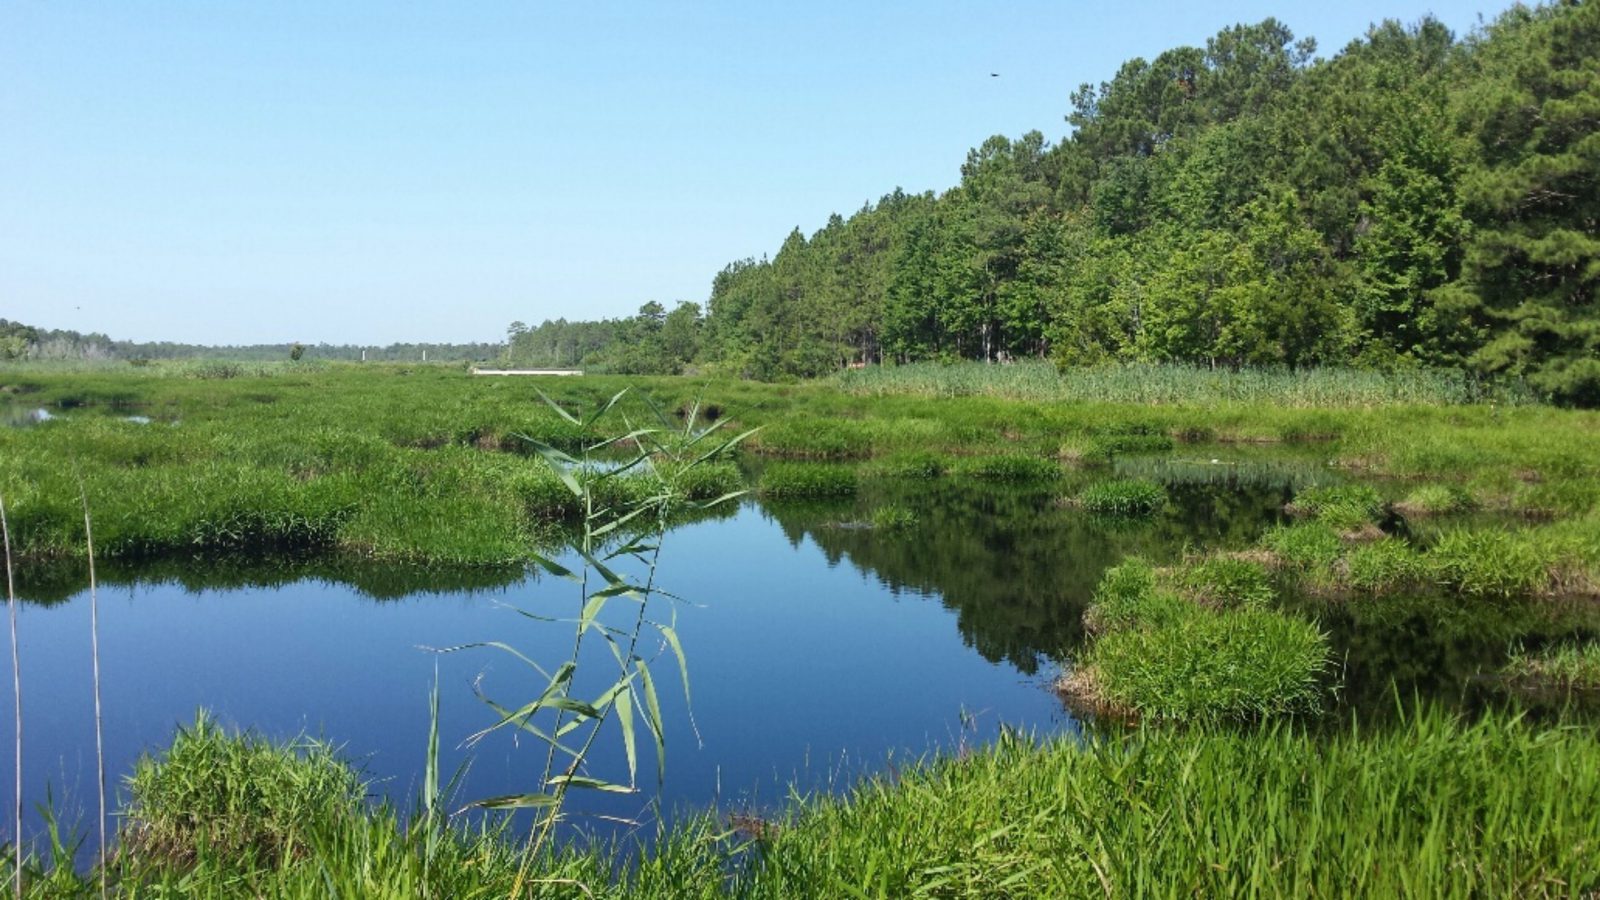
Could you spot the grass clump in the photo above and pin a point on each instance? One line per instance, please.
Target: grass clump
(910, 464)
(1128, 597)
(1227, 582)
(1007, 467)
(1386, 565)
(790, 480)
(1568, 666)
(1436, 499)
(1126, 440)
(1303, 545)
(1159, 655)
(221, 796)
(1124, 497)
(1242, 665)
(1494, 564)
(893, 517)
(1339, 503)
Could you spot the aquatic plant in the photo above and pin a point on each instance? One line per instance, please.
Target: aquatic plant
(1006, 467)
(1124, 497)
(1490, 563)
(1571, 665)
(1160, 655)
(1386, 565)
(789, 480)
(893, 517)
(1433, 806)
(1436, 499)
(240, 797)
(1170, 383)
(617, 528)
(1226, 582)
(1340, 503)
(1128, 597)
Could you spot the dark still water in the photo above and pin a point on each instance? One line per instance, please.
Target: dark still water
(818, 648)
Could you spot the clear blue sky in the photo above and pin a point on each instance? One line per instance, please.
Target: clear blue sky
(231, 172)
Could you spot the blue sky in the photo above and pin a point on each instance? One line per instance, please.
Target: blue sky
(229, 172)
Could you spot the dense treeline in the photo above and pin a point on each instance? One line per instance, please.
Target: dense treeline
(1416, 200)
(653, 342)
(26, 342)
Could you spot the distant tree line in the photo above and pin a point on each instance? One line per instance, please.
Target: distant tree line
(26, 342)
(652, 342)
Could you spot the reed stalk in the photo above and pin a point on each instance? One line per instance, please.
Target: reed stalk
(16, 684)
(99, 720)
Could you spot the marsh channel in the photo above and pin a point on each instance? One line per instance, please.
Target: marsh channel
(819, 648)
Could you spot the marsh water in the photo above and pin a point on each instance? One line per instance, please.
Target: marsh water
(818, 648)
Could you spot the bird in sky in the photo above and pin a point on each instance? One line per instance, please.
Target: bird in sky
(994, 74)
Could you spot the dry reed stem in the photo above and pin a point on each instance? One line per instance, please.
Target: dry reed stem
(16, 683)
(94, 647)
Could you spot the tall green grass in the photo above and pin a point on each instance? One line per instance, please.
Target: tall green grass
(1432, 806)
(1177, 384)
(239, 797)
(1196, 645)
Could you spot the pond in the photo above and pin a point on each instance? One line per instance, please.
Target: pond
(818, 648)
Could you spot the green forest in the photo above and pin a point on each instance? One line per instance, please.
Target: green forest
(1418, 199)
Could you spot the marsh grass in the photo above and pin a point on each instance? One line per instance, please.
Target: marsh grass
(236, 797)
(1433, 807)
(1124, 497)
(1006, 467)
(1341, 504)
(1226, 582)
(1197, 644)
(1436, 499)
(1569, 665)
(1168, 384)
(782, 481)
(344, 457)
(1243, 665)
(893, 518)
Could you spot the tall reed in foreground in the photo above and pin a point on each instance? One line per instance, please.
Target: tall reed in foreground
(16, 683)
(99, 720)
(618, 526)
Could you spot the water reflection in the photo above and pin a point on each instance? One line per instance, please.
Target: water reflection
(1016, 565)
(817, 646)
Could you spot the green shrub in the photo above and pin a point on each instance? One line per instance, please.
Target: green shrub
(1124, 497)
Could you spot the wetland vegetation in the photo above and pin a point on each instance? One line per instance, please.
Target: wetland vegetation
(1289, 569)
(1227, 470)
